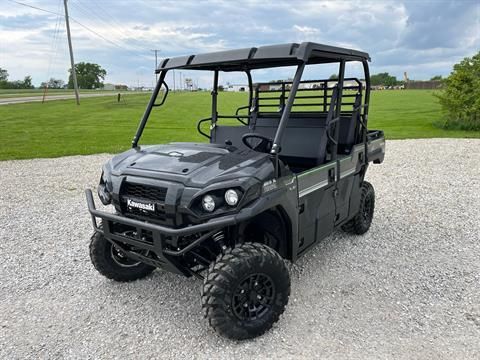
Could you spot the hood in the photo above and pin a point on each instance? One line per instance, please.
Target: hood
(190, 163)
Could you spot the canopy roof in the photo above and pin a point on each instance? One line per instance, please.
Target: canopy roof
(263, 57)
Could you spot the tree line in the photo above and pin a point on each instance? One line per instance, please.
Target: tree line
(89, 76)
(26, 83)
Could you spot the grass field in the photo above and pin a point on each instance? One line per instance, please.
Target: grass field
(59, 128)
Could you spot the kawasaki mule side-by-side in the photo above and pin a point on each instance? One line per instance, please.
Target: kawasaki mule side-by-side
(261, 191)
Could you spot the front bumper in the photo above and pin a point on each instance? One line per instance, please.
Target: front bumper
(164, 258)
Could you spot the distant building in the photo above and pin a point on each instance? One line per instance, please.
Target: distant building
(236, 87)
(418, 84)
(429, 84)
(111, 87)
(352, 83)
(141, 88)
(108, 86)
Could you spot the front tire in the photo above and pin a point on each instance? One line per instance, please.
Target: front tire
(112, 263)
(246, 290)
(360, 224)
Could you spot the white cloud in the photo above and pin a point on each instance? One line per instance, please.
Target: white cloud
(398, 34)
(307, 30)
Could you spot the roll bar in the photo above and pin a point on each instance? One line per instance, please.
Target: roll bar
(150, 105)
(286, 107)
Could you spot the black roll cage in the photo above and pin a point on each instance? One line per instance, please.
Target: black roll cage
(287, 106)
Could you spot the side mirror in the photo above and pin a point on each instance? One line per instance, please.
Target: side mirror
(164, 95)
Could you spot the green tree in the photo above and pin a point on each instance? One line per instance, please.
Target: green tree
(27, 82)
(384, 79)
(436, 77)
(89, 76)
(333, 77)
(53, 84)
(3, 78)
(3, 75)
(460, 96)
(17, 84)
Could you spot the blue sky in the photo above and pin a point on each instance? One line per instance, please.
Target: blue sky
(424, 38)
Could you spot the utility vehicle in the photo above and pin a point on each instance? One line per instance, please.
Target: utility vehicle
(274, 179)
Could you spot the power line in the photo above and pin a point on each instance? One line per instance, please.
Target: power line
(53, 51)
(34, 7)
(100, 36)
(110, 21)
(77, 22)
(88, 13)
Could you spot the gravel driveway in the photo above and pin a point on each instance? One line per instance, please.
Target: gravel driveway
(410, 288)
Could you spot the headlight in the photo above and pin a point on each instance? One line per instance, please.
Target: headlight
(208, 203)
(103, 194)
(231, 197)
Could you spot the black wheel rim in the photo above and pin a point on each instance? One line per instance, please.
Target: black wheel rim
(119, 256)
(121, 259)
(253, 297)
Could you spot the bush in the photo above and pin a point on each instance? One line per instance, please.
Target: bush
(460, 96)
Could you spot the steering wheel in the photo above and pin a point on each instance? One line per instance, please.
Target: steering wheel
(264, 145)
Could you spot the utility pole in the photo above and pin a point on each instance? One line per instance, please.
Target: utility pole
(156, 64)
(74, 73)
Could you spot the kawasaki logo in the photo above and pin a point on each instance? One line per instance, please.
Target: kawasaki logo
(139, 205)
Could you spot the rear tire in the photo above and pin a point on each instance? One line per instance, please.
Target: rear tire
(246, 290)
(363, 219)
(113, 264)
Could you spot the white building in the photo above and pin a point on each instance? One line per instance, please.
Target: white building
(236, 87)
(108, 86)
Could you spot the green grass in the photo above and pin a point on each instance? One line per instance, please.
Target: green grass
(59, 128)
(410, 114)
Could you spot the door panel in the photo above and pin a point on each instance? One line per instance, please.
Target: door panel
(348, 166)
(342, 200)
(316, 203)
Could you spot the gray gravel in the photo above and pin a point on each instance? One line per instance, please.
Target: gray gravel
(410, 288)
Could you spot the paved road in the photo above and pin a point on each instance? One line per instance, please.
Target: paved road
(408, 289)
(27, 99)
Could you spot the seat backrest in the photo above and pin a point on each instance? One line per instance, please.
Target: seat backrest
(233, 134)
(305, 134)
(298, 141)
(348, 125)
(301, 138)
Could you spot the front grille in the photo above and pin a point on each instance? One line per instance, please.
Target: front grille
(147, 194)
(159, 214)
